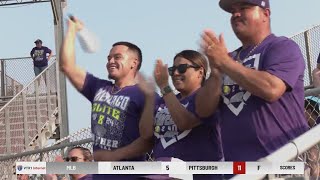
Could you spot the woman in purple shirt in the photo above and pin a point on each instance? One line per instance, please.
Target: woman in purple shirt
(178, 132)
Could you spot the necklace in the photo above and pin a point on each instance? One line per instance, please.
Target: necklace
(112, 90)
(251, 51)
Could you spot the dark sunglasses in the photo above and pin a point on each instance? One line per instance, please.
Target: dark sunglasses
(72, 159)
(182, 68)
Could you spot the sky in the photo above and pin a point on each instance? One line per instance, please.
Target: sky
(160, 28)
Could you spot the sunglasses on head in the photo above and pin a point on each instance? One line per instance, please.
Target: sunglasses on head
(182, 68)
(72, 159)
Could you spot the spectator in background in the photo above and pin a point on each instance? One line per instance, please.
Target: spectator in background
(316, 74)
(22, 177)
(75, 154)
(40, 55)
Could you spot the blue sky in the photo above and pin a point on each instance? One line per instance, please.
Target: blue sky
(160, 28)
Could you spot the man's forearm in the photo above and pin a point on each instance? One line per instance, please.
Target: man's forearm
(259, 83)
(49, 57)
(137, 148)
(67, 50)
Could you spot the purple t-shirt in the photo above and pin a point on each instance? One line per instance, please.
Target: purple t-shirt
(40, 56)
(202, 143)
(115, 113)
(251, 127)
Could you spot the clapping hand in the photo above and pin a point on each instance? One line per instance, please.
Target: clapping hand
(161, 74)
(214, 48)
(146, 85)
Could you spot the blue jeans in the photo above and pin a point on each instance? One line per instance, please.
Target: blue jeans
(38, 70)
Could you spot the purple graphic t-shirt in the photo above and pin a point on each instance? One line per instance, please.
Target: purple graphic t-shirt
(115, 113)
(40, 56)
(202, 143)
(251, 127)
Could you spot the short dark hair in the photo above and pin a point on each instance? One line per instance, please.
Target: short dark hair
(132, 47)
(196, 59)
(85, 152)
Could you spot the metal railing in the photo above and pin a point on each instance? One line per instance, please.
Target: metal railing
(24, 115)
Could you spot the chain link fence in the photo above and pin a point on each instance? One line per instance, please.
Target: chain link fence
(22, 117)
(312, 156)
(309, 43)
(18, 73)
(48, 154)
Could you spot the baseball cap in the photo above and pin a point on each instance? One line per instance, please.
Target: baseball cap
(226, 4)
(38, 40)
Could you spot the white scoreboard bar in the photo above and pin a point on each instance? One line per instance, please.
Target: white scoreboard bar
(177, 167)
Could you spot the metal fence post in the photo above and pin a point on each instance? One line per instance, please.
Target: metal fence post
(308, 54)
(61, 79)
(25, 124)
(8, 135)
(2, 78)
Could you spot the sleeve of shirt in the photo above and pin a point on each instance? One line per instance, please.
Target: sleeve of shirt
(91, 86)
(31, 52)
(284, 60)
(48, 50)
(192, 108)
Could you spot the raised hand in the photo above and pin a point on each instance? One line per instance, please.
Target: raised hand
(161, 74)
(76, 23)
(214, 48)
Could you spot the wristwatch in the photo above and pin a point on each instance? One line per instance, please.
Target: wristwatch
(166, 90)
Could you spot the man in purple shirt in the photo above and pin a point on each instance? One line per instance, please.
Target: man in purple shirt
(40, 55)
(116, 107)
(262, 101)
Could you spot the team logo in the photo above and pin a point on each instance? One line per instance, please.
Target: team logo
(234, 96)
(19, 167)
(165, 128)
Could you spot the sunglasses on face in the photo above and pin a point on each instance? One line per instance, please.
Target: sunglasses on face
(72, 159)
(182, 68)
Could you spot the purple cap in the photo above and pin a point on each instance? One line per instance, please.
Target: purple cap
(226, 4)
